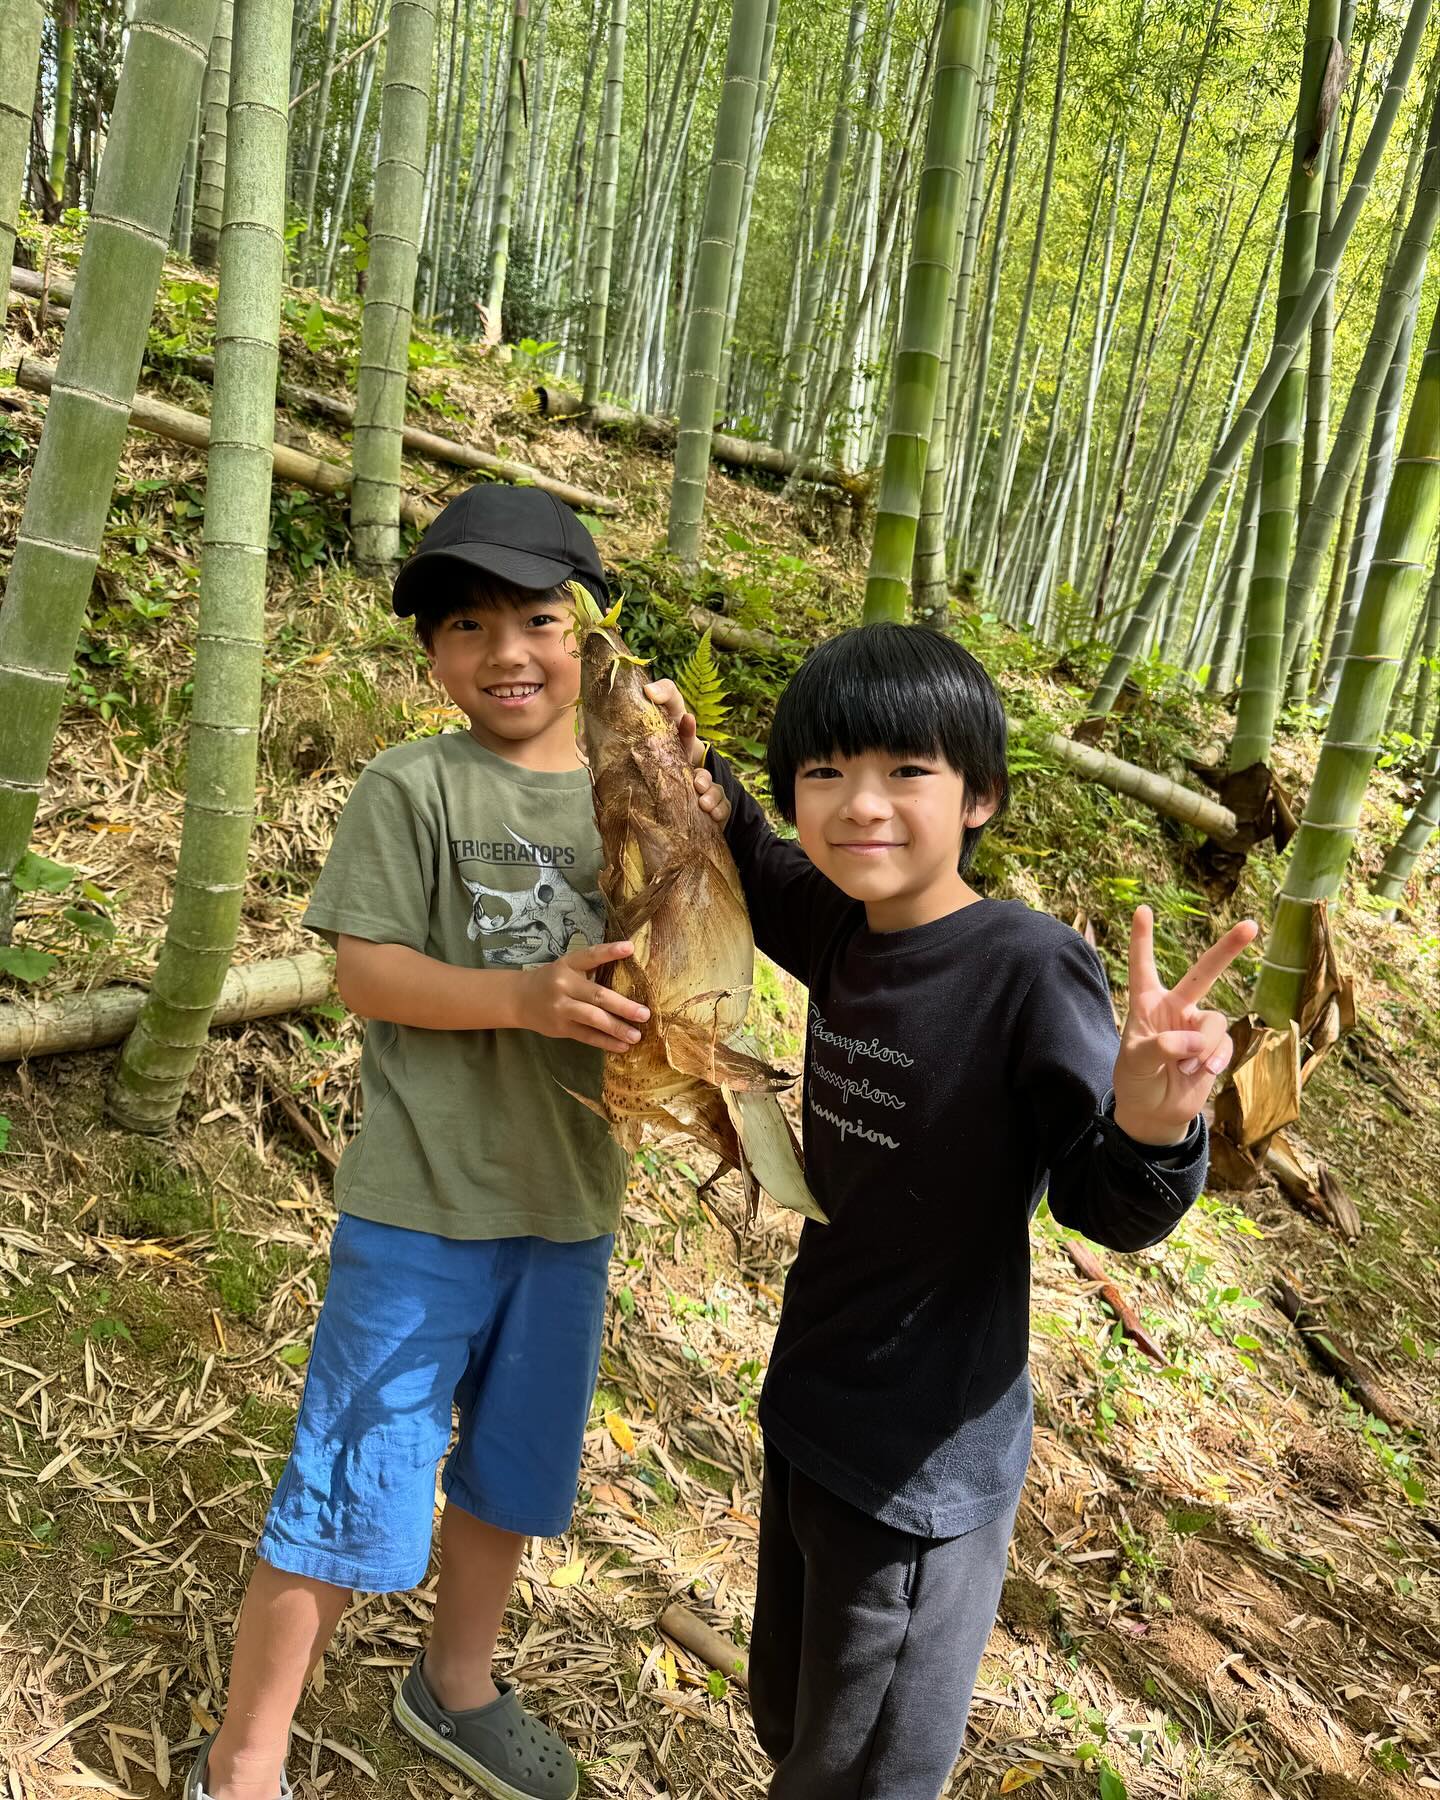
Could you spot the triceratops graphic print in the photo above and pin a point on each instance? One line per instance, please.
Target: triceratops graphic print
(534, 924)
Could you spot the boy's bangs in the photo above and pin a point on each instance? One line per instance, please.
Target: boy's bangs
(858, 711)
(474, 590)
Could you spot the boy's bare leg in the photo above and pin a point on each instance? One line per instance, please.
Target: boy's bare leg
(285, 1623)
(477, 1571)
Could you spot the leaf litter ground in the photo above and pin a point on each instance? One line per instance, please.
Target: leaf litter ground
(1224, 1580)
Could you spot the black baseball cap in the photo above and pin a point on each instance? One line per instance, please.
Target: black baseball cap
(520, 534)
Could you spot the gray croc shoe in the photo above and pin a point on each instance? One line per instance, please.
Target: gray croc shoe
(200, 1770)
(502, 1748)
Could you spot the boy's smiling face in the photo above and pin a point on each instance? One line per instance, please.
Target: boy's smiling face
(886, 828)
(511, 668)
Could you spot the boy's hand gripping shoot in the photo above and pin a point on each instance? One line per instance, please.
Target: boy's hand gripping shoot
(1171, 1048)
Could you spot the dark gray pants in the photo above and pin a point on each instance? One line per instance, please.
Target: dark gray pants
(866, 1643)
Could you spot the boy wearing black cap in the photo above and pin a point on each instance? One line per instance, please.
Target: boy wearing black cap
(478, 1201)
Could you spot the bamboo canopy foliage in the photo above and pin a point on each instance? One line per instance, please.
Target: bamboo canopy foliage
(705, 328)
(22, 23)
(68, 498)
(925, 321)
(1399, 296)
(1287, 345)
(1352, 738)
(154, 1069)
(390, 288)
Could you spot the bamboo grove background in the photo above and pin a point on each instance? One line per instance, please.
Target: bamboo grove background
(1119, 255)
(1118, 318)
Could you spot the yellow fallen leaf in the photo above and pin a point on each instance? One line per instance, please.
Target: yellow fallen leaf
(1021, 1776)
(669, 1673)
(571, 1575)
(620, 1431)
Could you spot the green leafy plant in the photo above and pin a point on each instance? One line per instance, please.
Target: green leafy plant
(85, 921)
(699, 680)
(530, 354)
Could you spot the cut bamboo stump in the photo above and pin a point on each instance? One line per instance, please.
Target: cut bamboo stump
(736, 452)
(702, 1640)
(1157, 791)
(105, 1016)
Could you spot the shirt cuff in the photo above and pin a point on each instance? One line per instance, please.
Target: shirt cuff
(1158, 1156)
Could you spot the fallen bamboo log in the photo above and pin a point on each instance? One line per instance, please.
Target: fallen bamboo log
(165, 420)
(702, 1640)
(1089, 1265)
(726, 635)
(1157, 791)
(106, 1015)
(437, 449)
(32, 284)
(161, 419)
(660, 432)
(1335, 1357)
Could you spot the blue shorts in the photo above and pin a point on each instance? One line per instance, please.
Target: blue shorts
(508, 1329)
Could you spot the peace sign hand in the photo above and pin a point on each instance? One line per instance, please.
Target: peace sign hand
(1171, 1048)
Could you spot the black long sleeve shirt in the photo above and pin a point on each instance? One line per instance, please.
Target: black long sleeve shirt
(953, 1072)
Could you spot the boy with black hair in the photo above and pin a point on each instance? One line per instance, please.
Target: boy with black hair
(478, 1201)
(961, 1058)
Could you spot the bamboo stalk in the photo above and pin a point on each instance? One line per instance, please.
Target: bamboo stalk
(929, 295)
(64, 89)
(390, 286)
(1263, 671)
(106, 1015)
(607, 176)
(20, 32)
(705, 325)
(1396, 302)
(68, 497)
(215, 109)
(1352, 737)
(509, 151)
(160, 1054)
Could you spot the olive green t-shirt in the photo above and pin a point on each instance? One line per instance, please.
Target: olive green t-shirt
(449, 849)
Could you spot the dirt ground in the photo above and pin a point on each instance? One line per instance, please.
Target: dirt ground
(1217, 1587)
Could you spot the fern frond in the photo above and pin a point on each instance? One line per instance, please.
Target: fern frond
(698, 679)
